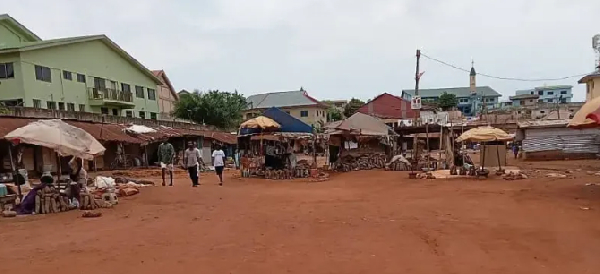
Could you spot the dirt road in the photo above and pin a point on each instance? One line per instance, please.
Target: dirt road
(358, 222)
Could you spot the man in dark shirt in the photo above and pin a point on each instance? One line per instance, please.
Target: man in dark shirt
(166, 153)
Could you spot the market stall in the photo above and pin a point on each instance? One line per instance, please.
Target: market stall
(493, 149)
(360, 142)
(64, 140)
(273, 146)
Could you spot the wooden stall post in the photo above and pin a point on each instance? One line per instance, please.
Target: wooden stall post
(14, 172)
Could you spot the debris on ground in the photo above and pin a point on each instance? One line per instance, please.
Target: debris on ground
(556, 175)
(426, 175)
(584, 208)
(591, 184)
(515, 176)
(91, 214)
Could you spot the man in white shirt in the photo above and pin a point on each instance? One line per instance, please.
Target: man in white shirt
(191, 159)
(219, 163)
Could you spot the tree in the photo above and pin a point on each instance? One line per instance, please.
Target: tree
(216, 108)
(334, 114)
(447, 101)
(352, 107)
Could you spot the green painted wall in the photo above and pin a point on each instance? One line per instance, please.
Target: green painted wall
(12, 88)
(93, 59)
(9, 36)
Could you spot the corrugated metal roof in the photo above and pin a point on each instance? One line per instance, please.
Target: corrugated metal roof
(117, 133)
(543, 123)
(459, 92)
(281, 99)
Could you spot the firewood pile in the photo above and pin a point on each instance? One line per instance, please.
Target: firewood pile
(48, 200)
(398, 163)
(362, 162)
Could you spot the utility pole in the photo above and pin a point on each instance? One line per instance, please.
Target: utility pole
(415, 155)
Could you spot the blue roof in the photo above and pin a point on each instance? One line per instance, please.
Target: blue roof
(287, 122)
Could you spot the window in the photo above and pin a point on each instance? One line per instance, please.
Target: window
(151, 94)
(37, 103)
(541, 92)
(61, 106)
(304, 113)
(104, 111)
(153, 115)
(463, 100)
(125, 87)
(43, 74)
(550, 92)
(563, 92)
(71, 106)
(51, 105)
(129, 114)
(549, 100)
(80, 78)
(530, 101)
(67, 75)
(542, 111)
(139, 92)
(115, 112)
(7, 71)
(82, 108)
(142, 115)
(532, 93)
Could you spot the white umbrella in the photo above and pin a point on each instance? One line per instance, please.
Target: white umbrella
(63, 138)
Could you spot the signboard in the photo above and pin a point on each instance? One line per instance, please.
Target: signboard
(415, 102)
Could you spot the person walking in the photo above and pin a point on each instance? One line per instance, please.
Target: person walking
(191, 160)
(516, 150)
(218, 162)
(166, 153)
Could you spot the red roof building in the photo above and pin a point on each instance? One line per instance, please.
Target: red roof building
(388, 107)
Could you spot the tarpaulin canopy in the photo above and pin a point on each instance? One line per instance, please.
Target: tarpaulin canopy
(260, 122)
(360, 124)
(286, 123)
(485, 134)
(588, 116)
(63, 138)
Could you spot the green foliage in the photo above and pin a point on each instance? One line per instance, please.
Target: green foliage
(216, 108)
(352, 107)
(447, 101)
(334, 114)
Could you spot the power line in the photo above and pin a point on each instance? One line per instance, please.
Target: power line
(502, 78)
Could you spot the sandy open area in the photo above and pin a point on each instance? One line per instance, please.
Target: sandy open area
(358, 222)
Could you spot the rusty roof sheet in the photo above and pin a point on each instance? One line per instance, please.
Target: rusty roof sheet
(117, 133)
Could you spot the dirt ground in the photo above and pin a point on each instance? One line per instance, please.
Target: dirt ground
(358, 222)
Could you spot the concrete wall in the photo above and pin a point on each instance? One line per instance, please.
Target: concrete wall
(93, 59)
(166, 101)
(12, 88)
(592, 89)
(9, 36)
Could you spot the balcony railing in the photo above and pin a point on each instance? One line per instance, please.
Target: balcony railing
(110, 95)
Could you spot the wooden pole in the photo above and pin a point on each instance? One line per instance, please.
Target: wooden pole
(14, 172)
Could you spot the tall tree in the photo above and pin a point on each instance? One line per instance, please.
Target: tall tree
(334, 114)
(447, 101)
(216, 108)
(352, 107)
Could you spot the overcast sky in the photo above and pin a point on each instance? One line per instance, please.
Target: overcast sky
(335, 49)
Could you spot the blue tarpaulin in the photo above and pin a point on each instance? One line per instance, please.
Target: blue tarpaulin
(287, 122)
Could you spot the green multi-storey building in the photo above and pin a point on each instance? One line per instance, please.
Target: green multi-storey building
(87, 73)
